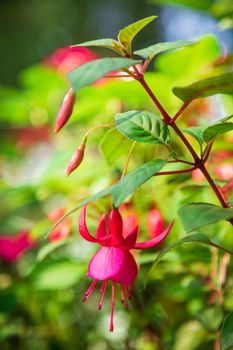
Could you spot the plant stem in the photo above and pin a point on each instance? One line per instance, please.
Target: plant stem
(176, 172)
(127, 160)
(199, 163)
(181, 110)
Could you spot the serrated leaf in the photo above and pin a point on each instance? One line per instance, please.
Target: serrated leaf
(196, 215)
(114, 145)
(216, 130)
(196, 132)
(134, 179)
(222, 84)
(89, 72)
(107, 43)
(126, 35)
(151, 51)
(143, 126)
(194, 238)
(226, 338)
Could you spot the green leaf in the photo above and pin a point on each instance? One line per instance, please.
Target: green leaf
(216, 130)
(196, 132)
(134, 179)
(126, 35)
(107, 43)
(50, 247)
(193, 4)
(114, 145)
(57, 275)
(222, 84)
(122, 189)
(89, 72)
(212, 317)
(143, 126)
(194, 238)
(196, 215)
(151, 51)
(227, 333)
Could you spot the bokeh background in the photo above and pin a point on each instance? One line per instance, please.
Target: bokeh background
(41, 289)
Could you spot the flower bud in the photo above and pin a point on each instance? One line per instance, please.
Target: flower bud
(154, 223)
(76, 159)
(65, 110)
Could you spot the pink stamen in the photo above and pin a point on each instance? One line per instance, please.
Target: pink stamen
(122, 294)
(89, 291)
(102, 287)
(103, 294)
(129, 290)
(111, 327)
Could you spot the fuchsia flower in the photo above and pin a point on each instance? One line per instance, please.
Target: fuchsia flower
(114, 261)
(13, 247)
(63, 230)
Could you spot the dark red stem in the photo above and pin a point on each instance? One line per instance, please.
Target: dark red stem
(176, 172)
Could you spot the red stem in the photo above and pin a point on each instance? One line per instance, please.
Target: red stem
(199, 163)
(176, 172)
(181, 110)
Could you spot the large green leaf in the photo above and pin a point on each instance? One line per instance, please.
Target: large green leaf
(227, 333)
(196, 132)
(143, 126)
(114, 145)
(222, 84)
(151, 51)
(89, 72)
(196, 215)
(216, 130)
(107, 43)
(126, 35)
(134, 179)
(194, 238)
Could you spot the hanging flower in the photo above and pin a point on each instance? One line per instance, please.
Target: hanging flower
(13, 247)
(113, 262)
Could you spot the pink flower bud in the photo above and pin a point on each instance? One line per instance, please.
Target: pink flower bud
(65, 110)
(76, 159)
(154, 223)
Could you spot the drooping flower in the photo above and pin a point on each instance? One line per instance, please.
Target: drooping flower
(113, 262)
(13, 247)
(63, 230)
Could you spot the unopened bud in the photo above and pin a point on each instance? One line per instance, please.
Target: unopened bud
(76, 159)
(65, 110)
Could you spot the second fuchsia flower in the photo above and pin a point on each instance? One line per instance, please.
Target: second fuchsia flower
(113, 262)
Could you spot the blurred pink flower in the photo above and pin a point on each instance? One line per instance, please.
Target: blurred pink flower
(224, 171)
(68, 58)
(64, 229)
(13, 247)
(114, 261)
(154, 223)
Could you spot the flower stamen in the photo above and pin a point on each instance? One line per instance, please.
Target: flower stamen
(103, 294)
(89, 291)
(111, 327)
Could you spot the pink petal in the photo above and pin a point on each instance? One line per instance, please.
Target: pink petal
(130, 240)
(83, 230)
(130, 224)
(115, 264)
(101, 232)
(12, 247)
(116, 227)
(154, 241)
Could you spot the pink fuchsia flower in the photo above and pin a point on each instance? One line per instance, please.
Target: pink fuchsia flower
(13, 247)
(154, 222)
(68, 58)
(113, 262)
(224, 171)
(63, 230)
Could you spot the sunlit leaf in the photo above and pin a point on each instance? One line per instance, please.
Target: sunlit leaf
(227, 333)
(89, 72)
(196, 215)
(151, 51)
(143, 126)
(193, 4)
(127, 34)
(134, 179)
(222, 84)
(216, 130)
(107, 43)
(196, 132)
